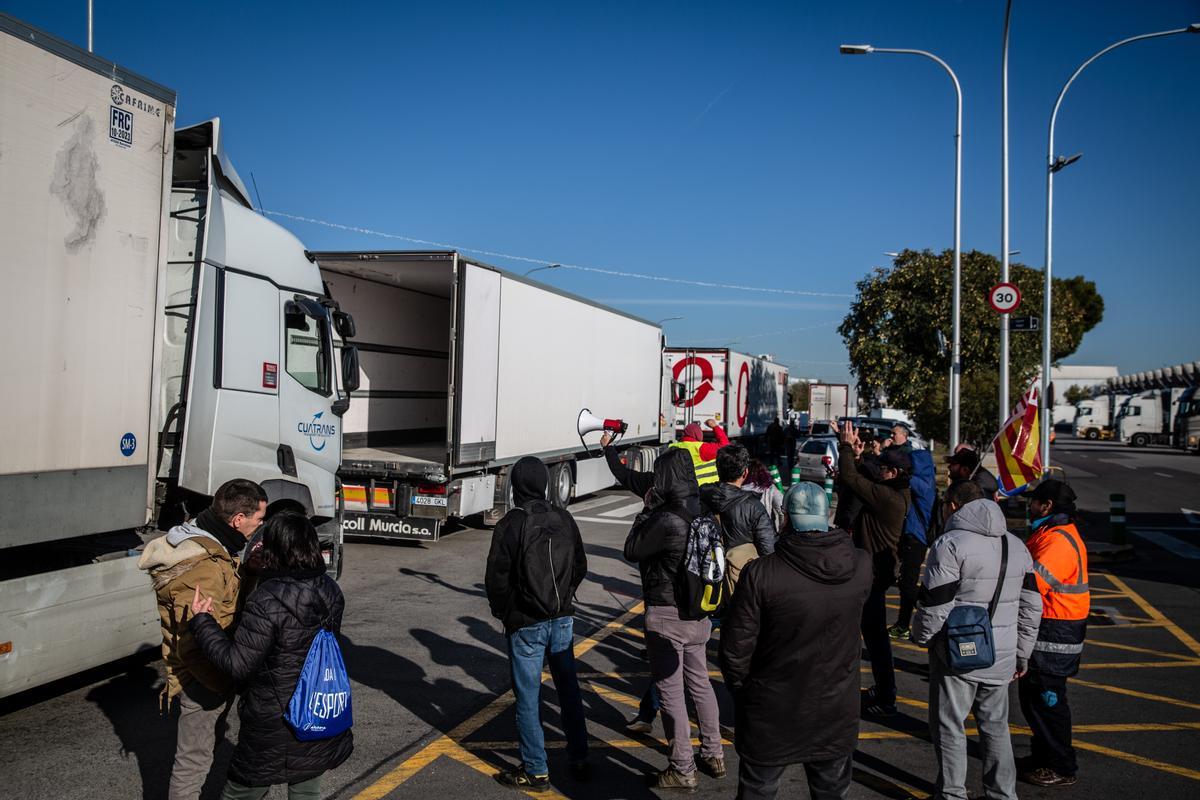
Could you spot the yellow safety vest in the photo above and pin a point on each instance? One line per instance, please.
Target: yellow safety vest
(706, 471)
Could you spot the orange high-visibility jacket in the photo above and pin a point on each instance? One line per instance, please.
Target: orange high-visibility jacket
(1060, 566)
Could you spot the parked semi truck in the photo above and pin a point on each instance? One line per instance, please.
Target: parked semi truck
(1149, 417)
(1187, 421)
(167, 339)
(1094, 418)
(467, 368)
(828, 401)
(744, 393)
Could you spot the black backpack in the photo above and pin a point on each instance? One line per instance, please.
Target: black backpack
(545, 562)
(700, 580)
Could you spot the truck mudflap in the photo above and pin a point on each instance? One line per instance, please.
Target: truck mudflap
(394, 510)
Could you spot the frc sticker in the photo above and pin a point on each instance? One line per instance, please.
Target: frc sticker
(128, 444)
(120, 127)
(270, 375)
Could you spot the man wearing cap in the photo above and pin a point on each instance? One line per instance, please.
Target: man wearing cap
(964, 466)
(704, 454)
(877, 530)
(790, 641)
(1060, 566)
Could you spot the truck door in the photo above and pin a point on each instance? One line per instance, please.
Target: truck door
(310, 441)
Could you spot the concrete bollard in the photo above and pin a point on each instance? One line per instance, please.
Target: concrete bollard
(1116, 519)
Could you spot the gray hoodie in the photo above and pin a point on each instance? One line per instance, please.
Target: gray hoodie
(963, 566)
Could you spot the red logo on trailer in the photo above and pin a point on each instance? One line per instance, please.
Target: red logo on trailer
(706, 376)
(743, 401)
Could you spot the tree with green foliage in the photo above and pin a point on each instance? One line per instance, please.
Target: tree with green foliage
(1076, 394)
(899, 328)
(798, 395)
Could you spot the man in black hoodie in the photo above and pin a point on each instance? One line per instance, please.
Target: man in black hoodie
(877, 530)
(535, 565)
(678, 659)
(744, 519)
(789, 642)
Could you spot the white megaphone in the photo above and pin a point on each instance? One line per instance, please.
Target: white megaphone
(589, 423)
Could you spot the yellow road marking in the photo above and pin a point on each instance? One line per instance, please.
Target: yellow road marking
(613, 694)
(1132, 649)
(1156, 615)
(446, 742)
(1131, 693)
(1139, 760)
(459, 754)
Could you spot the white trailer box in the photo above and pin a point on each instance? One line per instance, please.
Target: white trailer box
(743, 393)
(467, 368)
(828, 401)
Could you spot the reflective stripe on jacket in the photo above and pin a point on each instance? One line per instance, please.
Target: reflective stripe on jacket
(706, 471)
(1060, 565)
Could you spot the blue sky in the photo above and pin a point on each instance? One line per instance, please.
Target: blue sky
(719, 142)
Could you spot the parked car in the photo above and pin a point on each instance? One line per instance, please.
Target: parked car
(816, 458)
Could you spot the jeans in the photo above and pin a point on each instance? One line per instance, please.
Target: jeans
(649, 706)
(679, 665)
(304, 790)
(951, 699)
(874, 627)
(827, 780)
(912, 555)
(1044, 703)
(551, 640)
(201, 713)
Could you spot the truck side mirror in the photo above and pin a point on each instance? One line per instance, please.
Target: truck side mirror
(678, 392)
(343, 323)
(350, 374)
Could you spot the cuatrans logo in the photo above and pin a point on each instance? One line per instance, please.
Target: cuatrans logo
(316, 431)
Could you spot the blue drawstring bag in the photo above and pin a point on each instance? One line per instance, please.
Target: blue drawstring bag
(320, 707)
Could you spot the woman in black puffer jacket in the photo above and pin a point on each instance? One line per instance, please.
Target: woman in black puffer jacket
(292, 601)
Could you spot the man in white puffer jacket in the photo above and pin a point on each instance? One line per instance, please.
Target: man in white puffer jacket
(962, 569)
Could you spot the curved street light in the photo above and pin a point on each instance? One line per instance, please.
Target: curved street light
(548, 266)
(668, 319)
(956, 349)
(1053, 165)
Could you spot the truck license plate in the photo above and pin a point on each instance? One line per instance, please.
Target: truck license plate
(427, 500)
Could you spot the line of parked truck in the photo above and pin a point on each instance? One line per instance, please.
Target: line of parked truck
(170, 338)
(1159, 407)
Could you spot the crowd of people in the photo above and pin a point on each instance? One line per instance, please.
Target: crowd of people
(793, 584)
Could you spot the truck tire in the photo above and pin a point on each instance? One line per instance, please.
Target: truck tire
(1093, 434)
(561, 483)
(1140, 440)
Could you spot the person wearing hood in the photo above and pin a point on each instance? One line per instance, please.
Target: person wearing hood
(790, 641)
(704, 454)
(877, 530)
(744, 519)
(535, 565)
(914, 541)
(206, 551)
(1061, 568)
(976, 562)
(657, 543)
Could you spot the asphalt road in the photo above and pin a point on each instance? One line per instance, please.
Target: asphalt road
(433, 716)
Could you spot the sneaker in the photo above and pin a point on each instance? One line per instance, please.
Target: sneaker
(1044, 776)
(581, 771)
(520, 779)
(671, 778)
(873, 707)
(639, 725)
(712, 767)
(898, 632)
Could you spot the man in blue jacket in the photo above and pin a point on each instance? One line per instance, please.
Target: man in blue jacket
(914, 541)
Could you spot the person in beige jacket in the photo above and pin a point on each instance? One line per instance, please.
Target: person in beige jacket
(203, 552)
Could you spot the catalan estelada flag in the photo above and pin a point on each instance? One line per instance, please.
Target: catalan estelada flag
(1017, 446)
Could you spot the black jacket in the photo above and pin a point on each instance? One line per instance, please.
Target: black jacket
(790, 649)
(278, 624)
(637, 482)
(744, 519)
(884, 506)
(507, 596)
(658, 541)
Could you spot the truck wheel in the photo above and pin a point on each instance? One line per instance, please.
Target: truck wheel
(1140, 440)
(1093, 434)
(561, 482)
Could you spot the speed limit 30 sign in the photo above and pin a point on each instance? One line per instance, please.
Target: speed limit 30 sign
(1005, 297)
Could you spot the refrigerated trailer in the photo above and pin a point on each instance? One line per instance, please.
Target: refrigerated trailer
(465, 369)
(743, 393)
(160, 338)
(828, 401)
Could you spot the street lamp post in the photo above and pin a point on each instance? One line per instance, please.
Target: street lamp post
(1004, 270)
(668, 319)
(548, 266)
(956, 303)
(1053, 165)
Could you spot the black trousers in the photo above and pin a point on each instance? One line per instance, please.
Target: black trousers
(1044, 704)
(827, 780)
(874, 627)
(912, 556)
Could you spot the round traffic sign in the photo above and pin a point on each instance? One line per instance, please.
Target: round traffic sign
(1005, 297)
